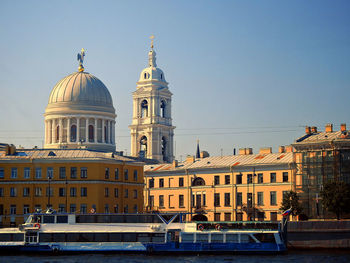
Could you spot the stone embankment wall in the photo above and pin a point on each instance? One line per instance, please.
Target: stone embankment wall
(319, 234)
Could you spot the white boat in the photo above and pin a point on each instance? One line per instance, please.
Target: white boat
(149, 233)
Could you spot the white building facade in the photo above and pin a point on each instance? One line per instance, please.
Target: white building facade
(152, 133)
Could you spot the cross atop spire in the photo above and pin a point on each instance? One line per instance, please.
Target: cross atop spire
(152, 39)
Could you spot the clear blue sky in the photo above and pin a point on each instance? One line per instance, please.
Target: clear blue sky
(243, 73)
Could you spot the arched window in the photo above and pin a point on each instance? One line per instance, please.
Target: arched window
(162, 109)
(91, 133)
(198, 181)
(73, 133)
(143, 146)
(164, 148)
(144, 109)
(57, 133)
(145, 75)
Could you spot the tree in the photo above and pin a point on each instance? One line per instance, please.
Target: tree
(291, 200)
(336, 197)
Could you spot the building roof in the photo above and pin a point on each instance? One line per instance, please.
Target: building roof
(323, 136)
(226, 161)
(64, 154)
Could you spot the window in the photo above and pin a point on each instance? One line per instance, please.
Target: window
(151, 183)
(273, 198)
(1, 192)
(106, 192)
(13, 209)
(83, 208)
(135, 194)
(49, 173)
(171, 201)
(73, 133)
(73, 192)
(204, 200)
(151, 200)
(2, 173)
(216, 179)
(61, 208)
(284, 193)
(73, 172)
(227, 199)
(217, 199)
(26, 172)
(72, 208)
(83, 172)
(49, 191)
(116, 208)
(62, 172)
(181, 200)
(161, 200)
(61, 192)
(260, 198)
(260, 178)
(135, 209)
(37, 208)
(25, 191)
(285, 177)
(38, 191)
(227, 216)
(239, 199)
(126, 174)
(126, 193)
(107, 173)
(135, 175)
(116, 174)
(83, 191)
(13, 173)
(249, 178)
(273, 216)
(239, 179)
(227, 179)
(38, 172)
(91, 133)
(161, 182)
(272, 177)
(126, 209)
(13, 192)
(25, 209)
(116, 192)
(250, 200)
(217, 217)
(181, 181)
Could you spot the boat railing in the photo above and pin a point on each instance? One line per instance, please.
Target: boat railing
(238, 225)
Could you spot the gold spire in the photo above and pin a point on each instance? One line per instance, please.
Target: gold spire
(80, 58)
(152, 38)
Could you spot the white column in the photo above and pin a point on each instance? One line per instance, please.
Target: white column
(78, 129)
(103, 131)
(60, 130)
(50, 141)
(113, 132)
(95, 131)
(68, 131)
(87, 130)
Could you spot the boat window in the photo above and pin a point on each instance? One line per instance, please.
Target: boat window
(49, 219)
(231, 238)
(144, 237)
(265, 237)
(186, 237)
(115, 237)
(45, 237)
(101, 237)
(129, 237)
(202, 238)
(11, 237)
(245, 238)
(72, 237)
(62, 219)
(217, 238)
(158, 238)
(59, 237)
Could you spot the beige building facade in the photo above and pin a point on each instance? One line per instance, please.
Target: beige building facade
(239, 187)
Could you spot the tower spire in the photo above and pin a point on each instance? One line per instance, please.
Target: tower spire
(152, 54)
(198, 154)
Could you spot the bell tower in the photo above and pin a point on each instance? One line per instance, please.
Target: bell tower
(152, 133)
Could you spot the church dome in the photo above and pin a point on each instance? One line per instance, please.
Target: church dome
(81, 90)
(152, 72)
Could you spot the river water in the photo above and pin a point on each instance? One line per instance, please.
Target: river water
(322, 256)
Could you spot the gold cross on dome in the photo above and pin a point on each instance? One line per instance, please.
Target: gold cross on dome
(152, 38)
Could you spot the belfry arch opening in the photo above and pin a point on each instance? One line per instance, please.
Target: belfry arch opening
(144, 109)
(162, 109)
(164, 149)
(143, 146)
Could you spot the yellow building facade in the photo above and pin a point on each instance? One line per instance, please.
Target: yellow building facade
(75, 181)
(225, 188)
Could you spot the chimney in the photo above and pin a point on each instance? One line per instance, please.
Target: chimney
(190, 159)
(175, 164)
(307, 130)
(289, 149)
(281, 149)
(329, 127)
(343, 127)
(265, 150)
(245, 151)
(314, 129)
(204, 154)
